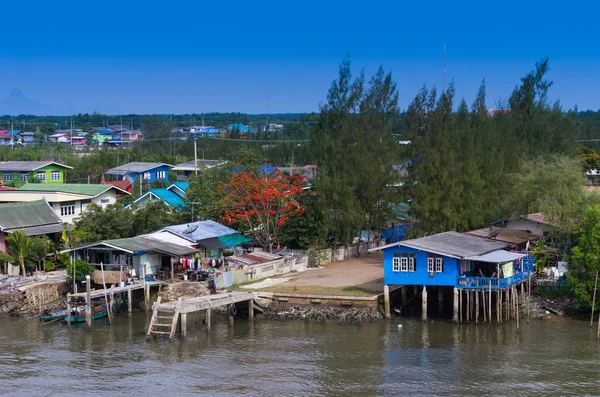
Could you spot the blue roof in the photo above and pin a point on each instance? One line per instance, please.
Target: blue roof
(266, 169)
(110, 132)
(181, 185)
(238, 126)
(14, 132)
(165, 195)
(197, 231)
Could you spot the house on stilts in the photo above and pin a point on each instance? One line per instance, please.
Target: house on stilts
(474, 271)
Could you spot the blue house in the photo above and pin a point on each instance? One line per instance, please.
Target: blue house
(238, 127)
(173, 196)
(147, 171)
(453, 261)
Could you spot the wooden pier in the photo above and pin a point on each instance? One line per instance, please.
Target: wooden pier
(177, 311)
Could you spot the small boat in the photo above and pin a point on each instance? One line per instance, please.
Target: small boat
(100, 312)
(54, 315)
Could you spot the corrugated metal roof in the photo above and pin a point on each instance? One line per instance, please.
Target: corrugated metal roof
(45, 229)
(165, 195)
(503, 234)
(453, 244)
(28, 166)
(183, 186)
(189, 165)
(92, 190)
(254, 258)
(197, 231)
(148, 244)
(27, 214)
(135, 167)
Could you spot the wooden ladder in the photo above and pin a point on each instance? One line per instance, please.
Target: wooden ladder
(157, 327)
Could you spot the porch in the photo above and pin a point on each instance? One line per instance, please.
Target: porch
(521, 270)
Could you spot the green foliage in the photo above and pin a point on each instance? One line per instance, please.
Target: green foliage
(78, 267)
(551, 184)
(585, 258)
(49, 266)
(589, 157)
(539, 251)
(39, 247)
(18, 248)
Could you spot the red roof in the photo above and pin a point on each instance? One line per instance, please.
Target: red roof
(123, 184)
(4, 188)
(538, 217)
(5, 136)
(4, 131)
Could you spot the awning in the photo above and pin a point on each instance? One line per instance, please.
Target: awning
(499, 256)
(212, 244)
(233, 240)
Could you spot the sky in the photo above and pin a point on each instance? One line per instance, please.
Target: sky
(120, 57)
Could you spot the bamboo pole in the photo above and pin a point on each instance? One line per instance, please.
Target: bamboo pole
(528, 296)
(517, 306)
(594, 300)
(476, 307)
(497, 311)
(108, 306)
(490, 303)
(460, 306)
(483, 303)
(88, 301)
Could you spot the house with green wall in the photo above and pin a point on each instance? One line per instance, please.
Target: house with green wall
(19, 172)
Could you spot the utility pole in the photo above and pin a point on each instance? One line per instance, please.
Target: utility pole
(444, 66)
(195, 156)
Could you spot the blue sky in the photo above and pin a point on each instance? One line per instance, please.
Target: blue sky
(202, 56)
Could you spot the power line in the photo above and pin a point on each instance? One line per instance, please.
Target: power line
(225, 139)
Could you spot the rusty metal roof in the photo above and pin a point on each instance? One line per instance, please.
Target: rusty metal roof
(503, 234)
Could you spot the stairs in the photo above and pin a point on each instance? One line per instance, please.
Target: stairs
(164, 321)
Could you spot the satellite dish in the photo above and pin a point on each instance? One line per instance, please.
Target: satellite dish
(190, 230)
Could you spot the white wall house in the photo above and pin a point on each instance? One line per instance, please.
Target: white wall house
(66, 199)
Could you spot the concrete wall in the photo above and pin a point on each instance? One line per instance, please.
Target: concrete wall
(534, 228)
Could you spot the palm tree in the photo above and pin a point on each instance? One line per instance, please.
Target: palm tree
(18, 246)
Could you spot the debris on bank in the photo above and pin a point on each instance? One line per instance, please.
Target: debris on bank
(183, 289)
(32, 295)
(323, 313)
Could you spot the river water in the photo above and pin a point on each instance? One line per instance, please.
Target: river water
(272, 358)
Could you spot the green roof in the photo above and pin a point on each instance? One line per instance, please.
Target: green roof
(27, 214)
(73, 188)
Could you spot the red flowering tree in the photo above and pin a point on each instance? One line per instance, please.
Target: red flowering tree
(263, 205)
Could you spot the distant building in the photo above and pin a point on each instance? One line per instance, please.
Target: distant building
(185, 170)
(6, 139)
(77, 140)
(58, 138)
(67, 200)
(204, 130)
(238, 127)
(27, 138)
(173, 196)
(147, 171)
(39, 171)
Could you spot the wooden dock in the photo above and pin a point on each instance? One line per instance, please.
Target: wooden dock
(179, 309)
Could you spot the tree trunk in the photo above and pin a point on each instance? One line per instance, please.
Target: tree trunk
(23, 270)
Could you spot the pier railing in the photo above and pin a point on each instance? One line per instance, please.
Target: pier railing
(527, 269)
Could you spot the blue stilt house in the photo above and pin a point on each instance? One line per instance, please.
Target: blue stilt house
(455, 260)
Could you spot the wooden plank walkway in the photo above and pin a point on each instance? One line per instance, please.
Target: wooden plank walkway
(200, 303)
(99, 293)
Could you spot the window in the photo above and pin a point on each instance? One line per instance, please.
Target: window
(24, 177)
(84, 204)
(161, 174)
(435, 264)
(146, 175)
(67, 208)
(8, 177)
(40, 176)
(55, 175)
(403, 262)
(104, 201)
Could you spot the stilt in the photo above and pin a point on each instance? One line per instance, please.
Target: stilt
(468, 293)
(455, 307)
(183, 323)
(472, 304)
(440, 299)
(147, 295)
(129, 302)
(498, 311)
(476, 307)
(528, 296)
(88, 301)
(517, 307)
(424, 304)
(490, 303)
(483, 305)
(229, 315)
(69, 309)
(386, 300)
(460, 307)
(207, 318)
(251, 309)
(404, 299)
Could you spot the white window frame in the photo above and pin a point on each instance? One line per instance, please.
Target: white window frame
(40, 176)
(396, 264)
(24, 177)
(67, 210)
(411, 263)
(439, 265)
(7, 177)
(55, 175)
(403, 263)
(161, 174)
(146, 176)
(430, 264)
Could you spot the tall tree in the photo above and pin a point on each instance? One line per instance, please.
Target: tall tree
(18, 248)
(585, 259)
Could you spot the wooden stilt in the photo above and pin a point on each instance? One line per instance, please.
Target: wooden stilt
(483, 306)
(183, 323)
(528, 296)
(476, 307)
(108, 306)
(460, 306)
(424, 304)
(468, 312)
(69, 308)
(404, 299)
(499, 307)
(251, 309)
(386, 300)
(517, 306)
(207, 318)
(490, 303)
(88, 301)
(455, 307)
(129, 302)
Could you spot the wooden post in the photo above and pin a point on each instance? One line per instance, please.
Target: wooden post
(404, 299)
(468, 296)
(229, 315)
(129, 302)
(207, 318)
(251, 309)
(594, 300)
(528, 296)
(69, 309)
(516, 306)
(483, 305)
(147, 297)
(424, 305)
(490, 303)
(476, 307)
(108, 306)
(386, 300)
(498, 307)
(455, 307)
(183, 323)
(460, 306)
(88, 301)
(440, 299)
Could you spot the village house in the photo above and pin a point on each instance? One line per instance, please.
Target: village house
(38, 171)
(67, 200)
(27, 138)
(173, 196)
(449, 262)
(34, 218)
(58, 138)
(147, 171)
(5, 138)
(185, 170)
